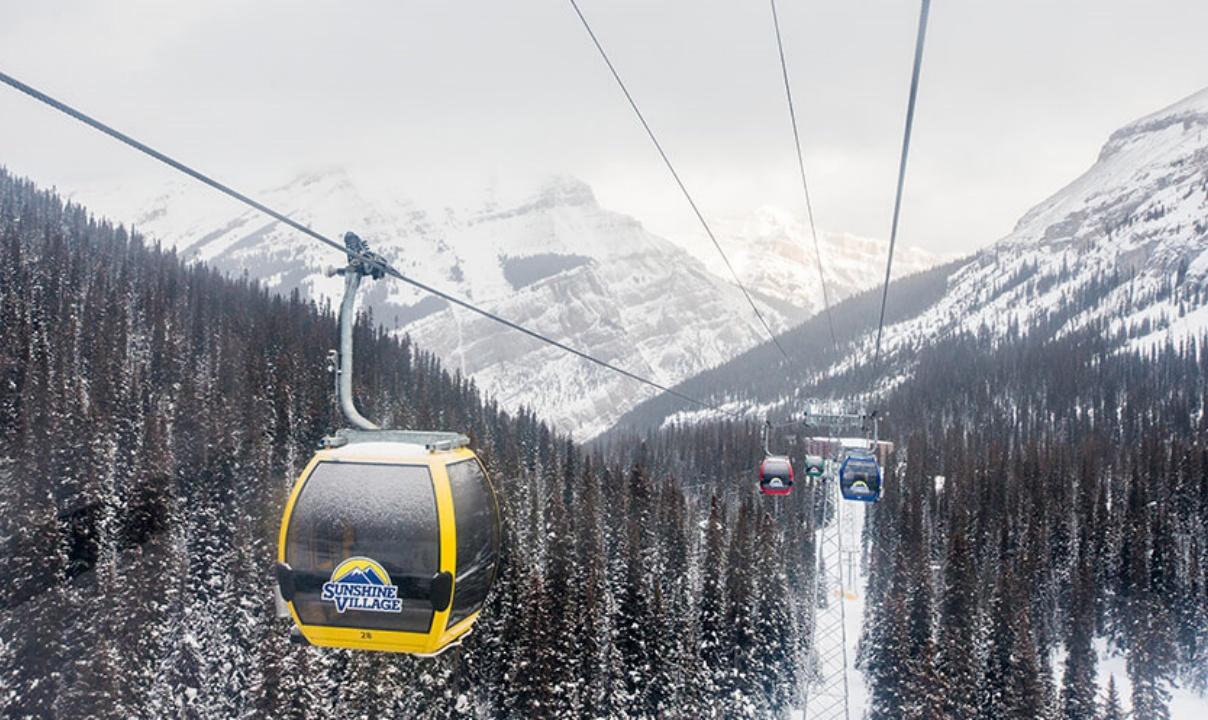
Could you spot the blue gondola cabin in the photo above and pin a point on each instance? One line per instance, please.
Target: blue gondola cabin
(860, 476)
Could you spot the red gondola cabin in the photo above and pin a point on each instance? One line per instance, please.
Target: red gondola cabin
(775, 475)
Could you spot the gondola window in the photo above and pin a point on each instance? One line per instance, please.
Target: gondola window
(383, 512)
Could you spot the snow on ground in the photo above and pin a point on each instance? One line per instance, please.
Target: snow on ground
(853, 523)
(1184, 704)
(1179, 330)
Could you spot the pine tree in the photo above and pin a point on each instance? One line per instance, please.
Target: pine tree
(774, 654)
(1147, 664)
(922, 700)
(596, 650)
(635, 620)
(565, 615)
(741, 610)
(888, 653)
(1111, 704)
(714, 629)
(1079, 689)
(958, 661)
(1148, 628)
(526, 678)
(1012, 684)
(673, 678)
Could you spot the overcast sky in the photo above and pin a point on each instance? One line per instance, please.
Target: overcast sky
(1016, 98)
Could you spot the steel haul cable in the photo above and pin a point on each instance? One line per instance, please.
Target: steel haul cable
(920, 41)
(897, 203)
(231, 192)
(809, 207)
(675, 175)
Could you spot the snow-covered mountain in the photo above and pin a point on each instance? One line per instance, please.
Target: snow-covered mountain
(772, 250)
(1126, 243)
(1122, 250)
(550, 258)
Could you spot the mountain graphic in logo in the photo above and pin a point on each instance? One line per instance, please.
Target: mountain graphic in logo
(366, 576)
(361, 583)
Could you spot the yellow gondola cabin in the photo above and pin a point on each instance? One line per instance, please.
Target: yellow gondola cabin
(389, 541)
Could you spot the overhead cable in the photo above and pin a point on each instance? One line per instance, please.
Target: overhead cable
(367, 257)
(805, 188)
(897, 203)
(675, 175)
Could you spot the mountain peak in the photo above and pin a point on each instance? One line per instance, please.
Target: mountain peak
(769, 220)
(1188, 112)
(1133, 180)
(556, 191)
(565, 190)
(328, 175)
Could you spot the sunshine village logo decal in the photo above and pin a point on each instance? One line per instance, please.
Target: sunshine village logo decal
(360, 583)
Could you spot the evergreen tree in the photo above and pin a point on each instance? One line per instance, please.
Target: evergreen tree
(635, 619)
(741, 610)
(958, 658)
(889, 652)
(564, 615)
(774, 654)
(1111, 704)
(1079, 701)
(713, 625)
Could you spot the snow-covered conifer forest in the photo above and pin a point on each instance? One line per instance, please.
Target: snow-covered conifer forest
(153, 417)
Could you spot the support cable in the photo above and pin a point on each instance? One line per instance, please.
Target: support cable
(809, 207)
(897, 203)
(675, 175)
(367, 257)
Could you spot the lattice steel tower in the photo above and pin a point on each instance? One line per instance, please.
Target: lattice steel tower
(827, 695)
(826, 692)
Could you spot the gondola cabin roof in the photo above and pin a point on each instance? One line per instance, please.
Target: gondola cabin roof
(396, 441)
(391, 452)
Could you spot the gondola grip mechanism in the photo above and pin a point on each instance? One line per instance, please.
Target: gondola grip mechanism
(361, 262)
